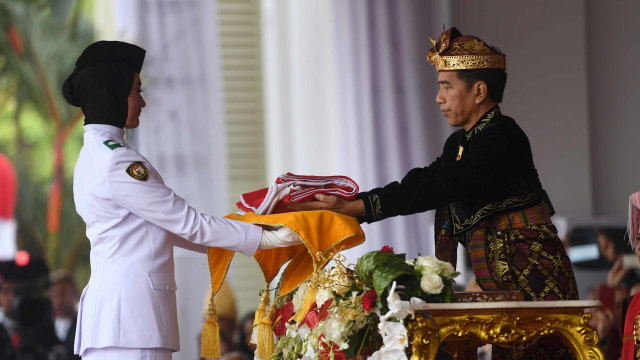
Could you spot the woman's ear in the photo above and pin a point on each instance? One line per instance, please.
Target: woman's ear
(480, 91)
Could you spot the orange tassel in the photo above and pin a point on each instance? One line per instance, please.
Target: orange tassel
(266, 344)
(210, 339)
(262, 309)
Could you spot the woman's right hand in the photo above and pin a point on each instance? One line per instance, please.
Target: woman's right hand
(281, 237)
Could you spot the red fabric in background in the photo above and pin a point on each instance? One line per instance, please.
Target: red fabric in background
(290, 188)
(8, 188)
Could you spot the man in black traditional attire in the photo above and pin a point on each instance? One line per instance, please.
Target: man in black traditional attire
(484, 186)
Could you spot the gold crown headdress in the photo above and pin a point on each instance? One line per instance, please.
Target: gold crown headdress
(456, 52)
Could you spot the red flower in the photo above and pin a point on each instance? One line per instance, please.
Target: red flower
(387, 248)
(322, 312)
(313, 306)
(369, 299)
(283, 315)
(324, 352)
(326, 304)
(311, 319)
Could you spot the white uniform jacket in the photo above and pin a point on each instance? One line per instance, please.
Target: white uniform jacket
(132, 221)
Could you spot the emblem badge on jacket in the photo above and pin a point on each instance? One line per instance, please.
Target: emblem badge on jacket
(138, 171)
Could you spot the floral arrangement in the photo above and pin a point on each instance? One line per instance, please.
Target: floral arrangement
(339, 314)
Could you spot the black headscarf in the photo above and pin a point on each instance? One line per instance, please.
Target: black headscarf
(101, 81)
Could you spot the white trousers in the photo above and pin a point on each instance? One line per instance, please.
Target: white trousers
(115, 353)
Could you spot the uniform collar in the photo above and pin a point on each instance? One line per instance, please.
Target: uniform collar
(480, 124)
(94, 132)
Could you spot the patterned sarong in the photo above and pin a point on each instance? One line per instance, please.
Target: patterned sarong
(521, 251)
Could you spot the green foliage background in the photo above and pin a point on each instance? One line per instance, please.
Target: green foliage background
(33, 115)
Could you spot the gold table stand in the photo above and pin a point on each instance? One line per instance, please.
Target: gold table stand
(460, 326)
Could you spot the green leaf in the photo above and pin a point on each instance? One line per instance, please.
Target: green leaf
(377, 269)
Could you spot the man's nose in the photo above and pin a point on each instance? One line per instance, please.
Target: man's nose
(439, 98)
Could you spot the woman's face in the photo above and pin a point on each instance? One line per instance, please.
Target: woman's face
(136, 103)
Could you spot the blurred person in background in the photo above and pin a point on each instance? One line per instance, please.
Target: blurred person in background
(64, 297)
(630, 324)
(8, 336)
(27, 331)
(606, 319)
(611, 245)
(245, 330)
(128, 308)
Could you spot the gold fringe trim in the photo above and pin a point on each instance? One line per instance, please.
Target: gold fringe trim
(210, 339)
(266, 344)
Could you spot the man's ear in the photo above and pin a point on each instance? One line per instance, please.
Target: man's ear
(480, 91)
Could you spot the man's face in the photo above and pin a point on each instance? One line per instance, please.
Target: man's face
(136, 103)
(457, 103)
(7, 293)
(63, 300)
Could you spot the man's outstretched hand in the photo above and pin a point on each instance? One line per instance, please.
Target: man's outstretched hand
(333, 203)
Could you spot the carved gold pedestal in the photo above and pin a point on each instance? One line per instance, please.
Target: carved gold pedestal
(463, 326)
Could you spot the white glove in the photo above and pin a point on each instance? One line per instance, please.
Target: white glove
(282, 237)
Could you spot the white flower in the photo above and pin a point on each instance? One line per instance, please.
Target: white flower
(298, 297)
(292, 330)
(323, 295)
(388, 354)
(411, 262)
(342, 281)
(416, 301)
(431, 284)
(394, 337)
(304, 330)
(447, 270)
(428, 264)
(333, 328)
(394, 334)
(397, 308)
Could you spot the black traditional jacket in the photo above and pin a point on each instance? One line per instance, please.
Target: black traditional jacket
(481, 172)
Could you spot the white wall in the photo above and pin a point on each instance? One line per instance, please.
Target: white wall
(613, 52)
(573, 87)
(546, 91)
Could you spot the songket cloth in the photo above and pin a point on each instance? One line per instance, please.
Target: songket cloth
(631, 329)
(290, 188)
(518, 250)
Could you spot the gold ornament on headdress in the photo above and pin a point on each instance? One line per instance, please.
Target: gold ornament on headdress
(463, 53)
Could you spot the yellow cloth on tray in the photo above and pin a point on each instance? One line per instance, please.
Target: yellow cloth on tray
(324, 233)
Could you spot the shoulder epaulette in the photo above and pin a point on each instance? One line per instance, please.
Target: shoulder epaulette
(111, 144)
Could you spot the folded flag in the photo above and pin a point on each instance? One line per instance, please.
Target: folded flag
(290, 188)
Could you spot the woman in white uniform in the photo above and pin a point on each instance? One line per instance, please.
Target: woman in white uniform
(128, 308)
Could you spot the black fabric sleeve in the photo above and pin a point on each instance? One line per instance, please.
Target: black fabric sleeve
(445, 180)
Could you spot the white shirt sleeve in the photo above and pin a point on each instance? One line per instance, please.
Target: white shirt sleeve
(134, 185)
(182, 243)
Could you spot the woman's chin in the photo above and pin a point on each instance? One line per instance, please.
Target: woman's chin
(132, 124)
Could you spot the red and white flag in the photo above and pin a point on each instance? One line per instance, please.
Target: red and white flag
(290, 188)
